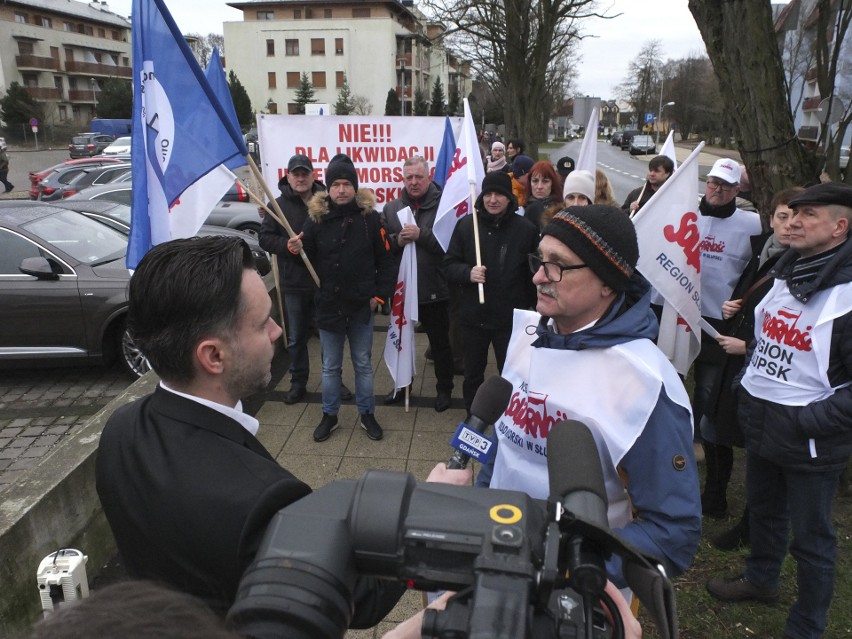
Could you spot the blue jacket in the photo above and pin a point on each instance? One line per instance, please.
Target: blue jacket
(660, 473)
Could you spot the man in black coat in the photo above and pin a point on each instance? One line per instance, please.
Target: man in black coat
(506, 240)
(422, 196)
(185, 485)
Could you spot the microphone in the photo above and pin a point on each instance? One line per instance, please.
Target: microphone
(577, 484)
(490, 401)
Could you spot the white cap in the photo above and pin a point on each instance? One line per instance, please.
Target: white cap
(582, 182)
(498, 145)
(726, 170)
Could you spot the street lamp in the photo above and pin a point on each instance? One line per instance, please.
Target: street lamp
(660, 117)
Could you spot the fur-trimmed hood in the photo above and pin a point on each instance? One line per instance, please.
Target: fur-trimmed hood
(318, 206)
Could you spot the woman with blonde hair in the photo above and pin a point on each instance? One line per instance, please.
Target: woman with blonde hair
(603, 189)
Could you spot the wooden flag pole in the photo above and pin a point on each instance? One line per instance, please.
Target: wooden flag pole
(277, 277)
(641, 193)
(476, 239)
(279, 214)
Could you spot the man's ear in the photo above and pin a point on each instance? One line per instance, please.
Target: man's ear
(841, 227)
(210, 355)
(606, 291)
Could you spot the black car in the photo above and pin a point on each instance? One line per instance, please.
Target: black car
(626, 136)
(63, 287)
(85, 145)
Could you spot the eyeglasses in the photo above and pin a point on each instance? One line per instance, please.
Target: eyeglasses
(716, 185)
(552, 271)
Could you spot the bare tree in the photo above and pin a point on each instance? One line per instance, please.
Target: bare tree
(517, 47)
(641, 87)
(361, 105)
(202, 46)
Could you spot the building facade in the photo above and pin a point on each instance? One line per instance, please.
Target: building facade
(62, 51)
(375, 45)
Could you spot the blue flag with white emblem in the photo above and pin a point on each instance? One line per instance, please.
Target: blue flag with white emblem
(180, 131)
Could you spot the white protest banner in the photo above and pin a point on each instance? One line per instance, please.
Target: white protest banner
(376, 145)
(588, 158)
(399, 346)
(668, 235)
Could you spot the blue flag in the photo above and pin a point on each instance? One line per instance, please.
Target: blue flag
(215, 75)
(180, 130)
(445, 155)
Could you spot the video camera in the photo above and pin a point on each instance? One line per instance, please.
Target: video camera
(523, 567)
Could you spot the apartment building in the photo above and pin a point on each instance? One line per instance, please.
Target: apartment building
(376, 45)
(62, 51)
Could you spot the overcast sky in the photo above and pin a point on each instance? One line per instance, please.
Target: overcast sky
(605, 56)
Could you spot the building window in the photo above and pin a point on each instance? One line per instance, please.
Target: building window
(293, 79)
(338, 46)
(22, 18)
(341, 78)
(98, 57)
(101, 33)
(297, 14)
(125, 61)
(88, 30)
(116, 35)
(292, 108)
(63, 113)
(46, 22)
(30, 80)
(326, 13)
(361, 12)
(309, 13)
(67, 26)
(318, 79)
(317, 46)
(266, 15)
(270, 48)
(272, 82)
(291, 47)
(25, 48)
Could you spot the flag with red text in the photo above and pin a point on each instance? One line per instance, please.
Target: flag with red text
(399, 347)
(667, 230)
(463, 185)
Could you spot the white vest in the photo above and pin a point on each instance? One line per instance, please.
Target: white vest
(611, 390)
(789, 365)
(725, 250)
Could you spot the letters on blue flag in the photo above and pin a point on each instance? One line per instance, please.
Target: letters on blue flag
(180, 130)
(445, 155)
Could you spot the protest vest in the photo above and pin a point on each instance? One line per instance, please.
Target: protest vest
(611, 390)
(789, 365)
(725, 250)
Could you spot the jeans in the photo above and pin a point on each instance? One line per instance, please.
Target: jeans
(436, 320)
(705, 374)
(778, 499)
(360, 348)
(300, 310)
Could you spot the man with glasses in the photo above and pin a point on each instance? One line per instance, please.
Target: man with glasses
(587, 353)
(725, 250)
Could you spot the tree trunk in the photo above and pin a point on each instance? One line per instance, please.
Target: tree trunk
(741, 44)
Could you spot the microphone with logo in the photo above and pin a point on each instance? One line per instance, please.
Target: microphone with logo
(488, 404)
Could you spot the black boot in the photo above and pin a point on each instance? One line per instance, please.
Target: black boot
(736, 537)
(714, 502)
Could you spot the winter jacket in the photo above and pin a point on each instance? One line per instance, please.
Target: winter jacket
(535, 208)
(781, 433)
(273, 237)
(505, 241)
(349, 248)
(659, 468)
(646, 194)
(431, 274)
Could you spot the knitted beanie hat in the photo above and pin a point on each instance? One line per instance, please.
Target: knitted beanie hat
(582, 182)
(521, 165)
(497, 182)
(603, 237)
(341, 168)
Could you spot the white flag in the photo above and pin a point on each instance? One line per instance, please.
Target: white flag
(399, 347)
(667, 230)
(194, 205)
(588, 158)
(464, 183)
(669, 149)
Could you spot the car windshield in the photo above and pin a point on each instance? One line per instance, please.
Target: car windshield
(83, 239)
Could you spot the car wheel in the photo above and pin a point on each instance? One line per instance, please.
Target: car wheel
(132, 359)
(251, 228)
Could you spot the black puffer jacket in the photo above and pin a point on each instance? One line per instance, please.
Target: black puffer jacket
(349, 248)
(431, 275)
(781, 433)
(506, 240)
(273, 238)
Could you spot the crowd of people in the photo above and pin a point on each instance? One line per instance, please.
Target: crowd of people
(552, 286)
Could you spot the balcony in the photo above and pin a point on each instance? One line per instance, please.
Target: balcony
(27, 62)
(82, 95)
(94, 69)
(809, 104)
(403, 60)
(44, 93)
(407, 90)
(810, 133)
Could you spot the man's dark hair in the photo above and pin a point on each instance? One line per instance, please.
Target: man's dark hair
(182, 292)
(518, 143)
(663, 162)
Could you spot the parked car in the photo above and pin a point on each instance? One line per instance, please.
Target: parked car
(63, 287)
(84, 145)
(642, 145)
(37, 176)
(117, 216)
(844, 157)
(615, 140)
(233, 215)
(121, 146)
(67, 181)
(626, 136)
(237, 193)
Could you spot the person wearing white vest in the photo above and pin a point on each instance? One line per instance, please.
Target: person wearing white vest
(725, 250)
(587, 353)
(795, 410)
